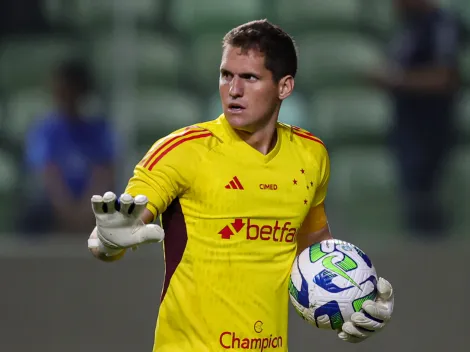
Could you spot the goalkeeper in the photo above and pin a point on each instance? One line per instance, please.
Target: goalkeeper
(238, 198)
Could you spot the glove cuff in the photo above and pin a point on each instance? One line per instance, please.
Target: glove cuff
(95, 243)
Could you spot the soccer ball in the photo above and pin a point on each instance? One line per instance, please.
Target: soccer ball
(329, 281)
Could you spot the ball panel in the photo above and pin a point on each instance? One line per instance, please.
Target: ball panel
(316, 253)
(333, 312)
(364, 257)
(371, 283)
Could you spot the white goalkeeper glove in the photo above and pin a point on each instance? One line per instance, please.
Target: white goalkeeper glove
(374, 318)
(118, 224)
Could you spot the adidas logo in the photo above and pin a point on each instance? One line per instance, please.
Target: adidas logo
(234, 184)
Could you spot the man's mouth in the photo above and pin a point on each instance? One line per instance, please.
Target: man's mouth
(234, 107)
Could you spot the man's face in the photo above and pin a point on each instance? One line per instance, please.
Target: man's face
(248, 92)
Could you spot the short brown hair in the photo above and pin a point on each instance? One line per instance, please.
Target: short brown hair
(277, 46)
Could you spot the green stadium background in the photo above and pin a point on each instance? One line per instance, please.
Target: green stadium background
(157, 62)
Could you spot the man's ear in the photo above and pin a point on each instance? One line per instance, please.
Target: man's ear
(285, 87)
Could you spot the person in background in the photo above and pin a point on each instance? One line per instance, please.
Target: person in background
(70, 154)
(423, 79)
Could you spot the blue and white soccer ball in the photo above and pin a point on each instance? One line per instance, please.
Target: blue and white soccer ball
(329, 281)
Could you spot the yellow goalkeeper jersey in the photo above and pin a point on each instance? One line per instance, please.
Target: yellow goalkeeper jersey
(231, 216)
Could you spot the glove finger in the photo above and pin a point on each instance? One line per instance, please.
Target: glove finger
(126, 203)
(97, 204)
(385, 291)
(140, 202)
(151, 233)
(93, 241)
(353, 330)
(323, 322)
(361, 320)
(379, 311)
(109, 200)
(348, 338)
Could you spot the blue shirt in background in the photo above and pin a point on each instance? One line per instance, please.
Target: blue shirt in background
(72, 146)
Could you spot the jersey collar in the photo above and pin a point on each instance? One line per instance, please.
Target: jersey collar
(244, 147)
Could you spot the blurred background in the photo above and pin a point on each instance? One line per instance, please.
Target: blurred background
(87, 86)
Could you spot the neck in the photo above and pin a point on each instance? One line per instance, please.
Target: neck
(263, 140)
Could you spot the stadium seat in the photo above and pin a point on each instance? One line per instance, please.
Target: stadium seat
(456, 188)
(358, 115)
(203, 62)
(91, 14)
(465, 64)
(2, 113)
(335, 58)
(8, 173)
(24, 107)
(367, 171)
(363, 188)
(294, 111)
(157, 59)
(162, 111)
(378, 18)
(28, 61)
(309, 14)
(196, 17)
(459, 7)
(213, 108)
(9, 176)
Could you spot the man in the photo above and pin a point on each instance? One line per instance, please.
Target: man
(70, 153)
(239, 197)
(423, 82)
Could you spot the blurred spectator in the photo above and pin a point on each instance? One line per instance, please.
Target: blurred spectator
(70, 154)
(423, 78)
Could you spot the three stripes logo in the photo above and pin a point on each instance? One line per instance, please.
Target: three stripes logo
(234, 184)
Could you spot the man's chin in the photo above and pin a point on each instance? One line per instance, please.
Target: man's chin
(237, 121)
(241, 124)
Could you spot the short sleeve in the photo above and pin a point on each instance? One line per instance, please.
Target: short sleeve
(161, 185)
(315, 220)
(324, 168)
(166, 171)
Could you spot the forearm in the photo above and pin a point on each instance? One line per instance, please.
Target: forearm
(306, 240)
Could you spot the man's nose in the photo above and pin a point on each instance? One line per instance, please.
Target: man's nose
(236, 87)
